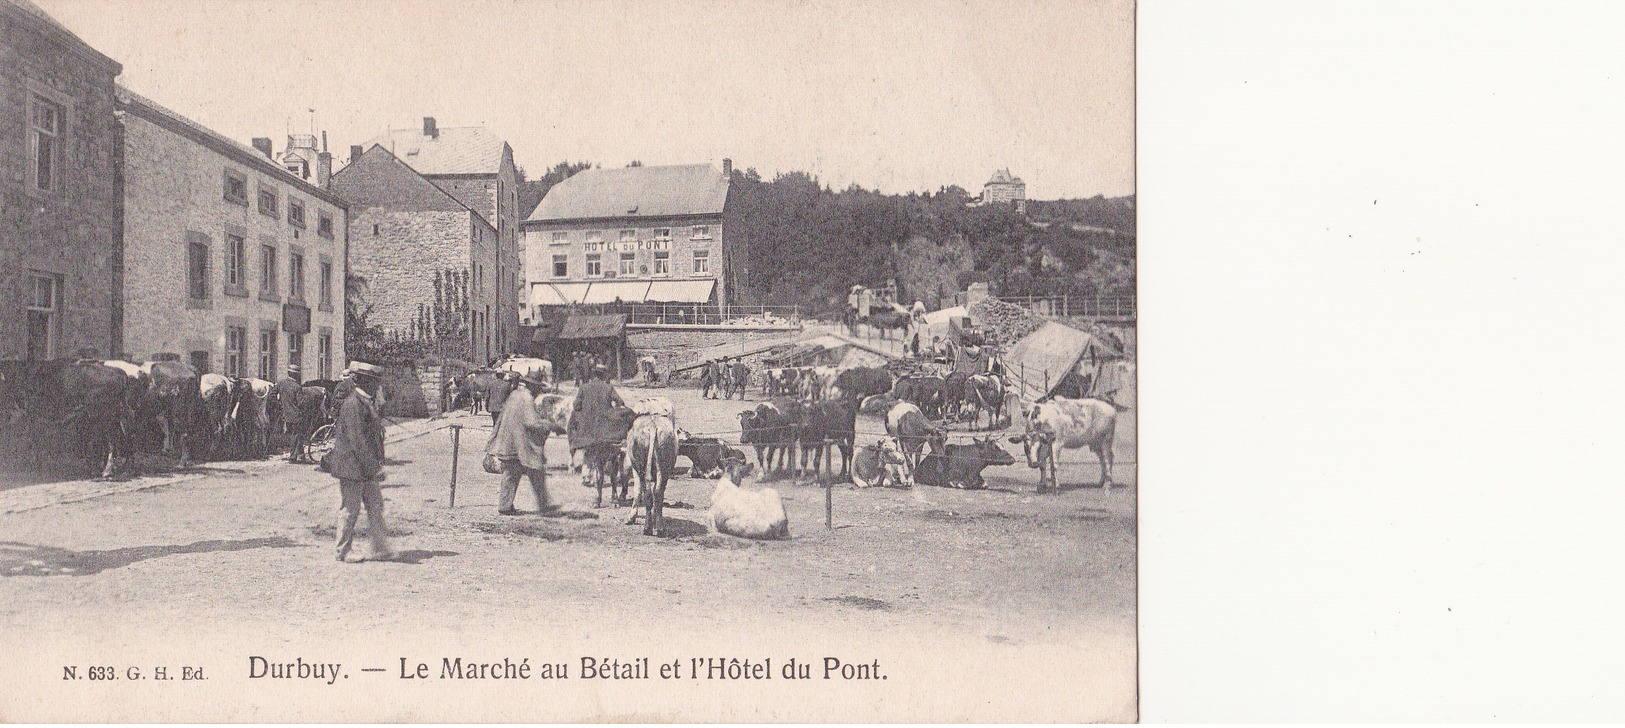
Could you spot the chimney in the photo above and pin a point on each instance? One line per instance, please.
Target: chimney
(324, 168)
(324, 140)
(428, 128)
(263, 144)
(355, 152)
(727, 167)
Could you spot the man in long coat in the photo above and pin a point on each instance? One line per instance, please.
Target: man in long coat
(519, 442)
(498, 394)
(357, 460)
(597, 424)
(285, 395)
(708, 378)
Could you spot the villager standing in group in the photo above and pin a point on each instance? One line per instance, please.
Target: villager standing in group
(597, 422)
(285, 395)
(519, 442)
(357, 460)
(498, 393)
(708, 378)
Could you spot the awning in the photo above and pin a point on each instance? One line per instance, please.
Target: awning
(610, 291)
(592, 326)
(557, 294)
(681, 291)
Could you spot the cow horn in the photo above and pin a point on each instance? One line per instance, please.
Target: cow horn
(1018, 439)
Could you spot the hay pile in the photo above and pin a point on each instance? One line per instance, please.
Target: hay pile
(1004, 323)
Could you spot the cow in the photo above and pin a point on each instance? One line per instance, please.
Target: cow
(651, 453)
(708, 454)
(893, 320)
(985, 393)
(908, 424)
(773, 381)
(818, 383)
(217, 394)
(859, 382)
(174, 398)
(1068, 423)
(522, 365)
(825, 424)
(252, 416)
(960, 466)
(474, 389)
(771, 428)
(954, 396)
(924, 390)
(881, 464)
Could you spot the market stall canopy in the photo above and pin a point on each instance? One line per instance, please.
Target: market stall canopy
(698, 291)
(593, 326)
(557, 294)
(612, 291)
(1038, 363)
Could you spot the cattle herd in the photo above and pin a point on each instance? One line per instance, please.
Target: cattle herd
(112, 409)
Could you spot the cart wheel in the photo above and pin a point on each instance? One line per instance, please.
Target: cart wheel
(321, 443)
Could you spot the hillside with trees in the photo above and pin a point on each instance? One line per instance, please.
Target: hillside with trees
(808, 245)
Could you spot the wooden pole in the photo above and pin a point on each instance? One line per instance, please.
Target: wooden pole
(829, 505)
(456, 445)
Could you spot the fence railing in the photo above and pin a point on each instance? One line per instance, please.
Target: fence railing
(697, 314)
(1093, 306)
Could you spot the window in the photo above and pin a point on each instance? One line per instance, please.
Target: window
(662, 262)
(561, 266)
(324, 294)
(324, 224)
(235, 336)
(561, 237)
(702, 261)
(702, 232)
(236, 187)
(479, 277)
(45, 124)
(268, 354)
(595, 264)
(324, 355)
(44, 300)
(268, 270)
(296, 349)
(268, 202)
(197, 270)
(663, 233)
(627, 260)
(296, 276)
(200, 361)
(236, 259)
(595, 236)
(627, 235)
(296, 213)
(375, 230)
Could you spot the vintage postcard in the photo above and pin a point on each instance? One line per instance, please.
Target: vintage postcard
(567, 362)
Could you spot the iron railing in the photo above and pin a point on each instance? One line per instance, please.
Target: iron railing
(696, 314)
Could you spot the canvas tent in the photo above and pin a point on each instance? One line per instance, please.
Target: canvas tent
(831, 350)
(1039, 363)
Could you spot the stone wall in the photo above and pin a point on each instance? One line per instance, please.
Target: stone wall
(70, 231)
(399, 262)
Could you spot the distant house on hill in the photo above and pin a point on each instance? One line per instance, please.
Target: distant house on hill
(647, 234)
(1005, 188)
(476, 167)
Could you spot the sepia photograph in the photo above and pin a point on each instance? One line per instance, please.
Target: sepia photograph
(536, 360)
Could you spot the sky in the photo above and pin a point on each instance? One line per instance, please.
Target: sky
(895, 96)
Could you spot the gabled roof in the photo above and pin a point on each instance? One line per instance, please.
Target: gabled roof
(1003, 177)
(671, 190)
(50, 26)
(592, 326)
(453, 150)
(380, 179)
(134, 103)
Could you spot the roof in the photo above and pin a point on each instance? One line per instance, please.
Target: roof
(592, 326)
(672, 190)
(828, 342)
(150, 110)
(380, 179)
(453, 150)
(50, 26)
(610, 291)
(1040, 360)
(1003, 177)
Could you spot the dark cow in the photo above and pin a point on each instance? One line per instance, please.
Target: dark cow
(174, 398)
(960, 466)
(859, 382)
(93, 401)
(651, 453)
(925, 391)
(908, 424)
(824, 424)
(215, 427)
(986, 394)
(771, 428)
(251, 416)
(954, 396)
(709, 455)
(883, 321)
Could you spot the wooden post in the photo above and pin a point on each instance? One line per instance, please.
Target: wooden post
(456, 445)
(829, 505)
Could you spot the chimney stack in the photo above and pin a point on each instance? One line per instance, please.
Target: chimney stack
(429, 129)
(324, 140)
(263, 144)
(727, 167)
(324, 168)
(355, 152)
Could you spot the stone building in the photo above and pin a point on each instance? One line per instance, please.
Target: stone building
(1003, 188)
(230, 260)
(403, 229)
(476, 167)
(60, 249)
(656, 234)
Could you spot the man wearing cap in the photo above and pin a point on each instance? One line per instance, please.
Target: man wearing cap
(285, 393)
(519, 441)
(596, 421)
(357, 460)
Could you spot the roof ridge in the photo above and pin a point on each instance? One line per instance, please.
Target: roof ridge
(419, 175)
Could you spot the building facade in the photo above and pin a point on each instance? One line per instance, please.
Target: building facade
(476, 168)
(230, 261)
(656, 234)
(1006, 189)
(60, 250)
(404, 229)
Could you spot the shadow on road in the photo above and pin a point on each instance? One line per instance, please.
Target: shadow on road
(418, 556)
(20, 559)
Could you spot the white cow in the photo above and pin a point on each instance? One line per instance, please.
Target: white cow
(1068, 423)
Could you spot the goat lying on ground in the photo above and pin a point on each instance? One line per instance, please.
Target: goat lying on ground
(737, 511)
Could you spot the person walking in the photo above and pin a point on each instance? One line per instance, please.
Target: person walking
(708, 378)
(597, 424)
(498, 393)
(519, 443)
(357, 460)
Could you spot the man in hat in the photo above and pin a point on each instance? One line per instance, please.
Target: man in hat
(357, 461)
(498, 393)
(597, 422)
(708, 378)
(285, 394)
(519, 442)
(344, 388)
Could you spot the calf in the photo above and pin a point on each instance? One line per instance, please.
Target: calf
(881, 464)
(960, 466)
(708, 454)
(651, 453)
(1068, 423)
(908, 424)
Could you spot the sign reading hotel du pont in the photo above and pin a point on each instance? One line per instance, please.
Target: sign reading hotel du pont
(594, 246)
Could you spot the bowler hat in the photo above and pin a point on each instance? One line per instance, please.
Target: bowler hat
(361, 368)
